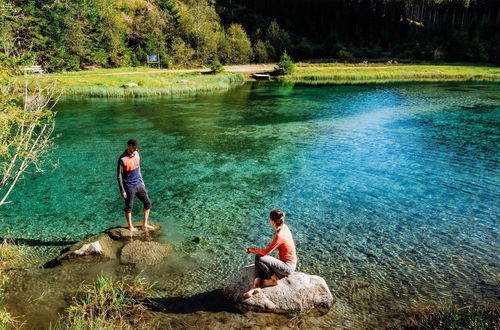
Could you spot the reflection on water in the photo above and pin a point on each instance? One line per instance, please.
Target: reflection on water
(392, 192)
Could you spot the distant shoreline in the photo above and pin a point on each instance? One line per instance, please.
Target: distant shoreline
(148, 82)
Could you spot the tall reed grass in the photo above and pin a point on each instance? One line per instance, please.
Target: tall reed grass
(416, 73)
(108, 304)
(149, 84)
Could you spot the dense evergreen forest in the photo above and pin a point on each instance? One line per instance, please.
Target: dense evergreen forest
(451, 30)
(78, 34)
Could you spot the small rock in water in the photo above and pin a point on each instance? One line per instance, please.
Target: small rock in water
(198, 239)
(295, 293)
(100, 246)
(122, 232)
(89, 249)
(131, 85)
(143, 254)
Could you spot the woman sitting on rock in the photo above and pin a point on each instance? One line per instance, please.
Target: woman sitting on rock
(268, 270)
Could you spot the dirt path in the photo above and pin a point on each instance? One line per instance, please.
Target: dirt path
(249, 68)
(254, 68)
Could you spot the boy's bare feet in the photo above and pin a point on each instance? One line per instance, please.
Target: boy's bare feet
(251, 292)
(147, 226)
(132, 228)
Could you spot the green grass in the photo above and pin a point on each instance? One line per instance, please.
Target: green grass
(333, 73)
(107, 305)
(110, 83)
(105, 71)
(12, 255)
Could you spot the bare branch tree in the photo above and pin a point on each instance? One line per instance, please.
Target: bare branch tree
(27, 123)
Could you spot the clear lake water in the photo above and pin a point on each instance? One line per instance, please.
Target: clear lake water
(394, 188)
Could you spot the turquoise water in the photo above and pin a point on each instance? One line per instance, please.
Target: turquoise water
(393, 185)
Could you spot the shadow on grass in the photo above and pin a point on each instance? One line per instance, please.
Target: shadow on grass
(212, 301)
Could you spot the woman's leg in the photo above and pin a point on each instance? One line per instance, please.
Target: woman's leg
(262, 270)
(274, 267)
(257, 282)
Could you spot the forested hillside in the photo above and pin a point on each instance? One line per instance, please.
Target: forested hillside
(74, 34)
(451, 30)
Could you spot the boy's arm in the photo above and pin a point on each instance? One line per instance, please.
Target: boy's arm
(119, 173)
(140, 174)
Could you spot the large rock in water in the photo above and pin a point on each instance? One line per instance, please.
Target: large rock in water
(294, 293)
(99, 246)
(143, 254)
(122, 232)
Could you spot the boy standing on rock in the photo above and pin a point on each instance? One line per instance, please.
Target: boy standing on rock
(131, 184)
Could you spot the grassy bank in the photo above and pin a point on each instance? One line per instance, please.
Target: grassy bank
(154, 82)
(336, 73)
(111, 83)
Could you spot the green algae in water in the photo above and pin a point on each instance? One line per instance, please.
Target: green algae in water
(393, 185)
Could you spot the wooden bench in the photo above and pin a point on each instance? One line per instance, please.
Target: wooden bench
(33, 68)
(261, 76)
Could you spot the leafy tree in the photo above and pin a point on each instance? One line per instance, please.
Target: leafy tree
(148, 30)
(278, 38)
(260, 51)
(239, 48)
(171, 8)
(201, 28)
(181, 53)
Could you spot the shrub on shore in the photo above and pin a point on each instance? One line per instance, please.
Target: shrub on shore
(216, 67)
(285, 66)
(345, 56)
(109, 304)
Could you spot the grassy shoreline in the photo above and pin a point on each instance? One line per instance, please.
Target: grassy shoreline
(150, 83)
(153, 82)
(329, 74)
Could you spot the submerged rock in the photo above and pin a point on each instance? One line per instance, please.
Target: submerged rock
(295, 293)
(143, 254)
(100, 246)
(198, 239)
(122, 232)
(89, 249)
